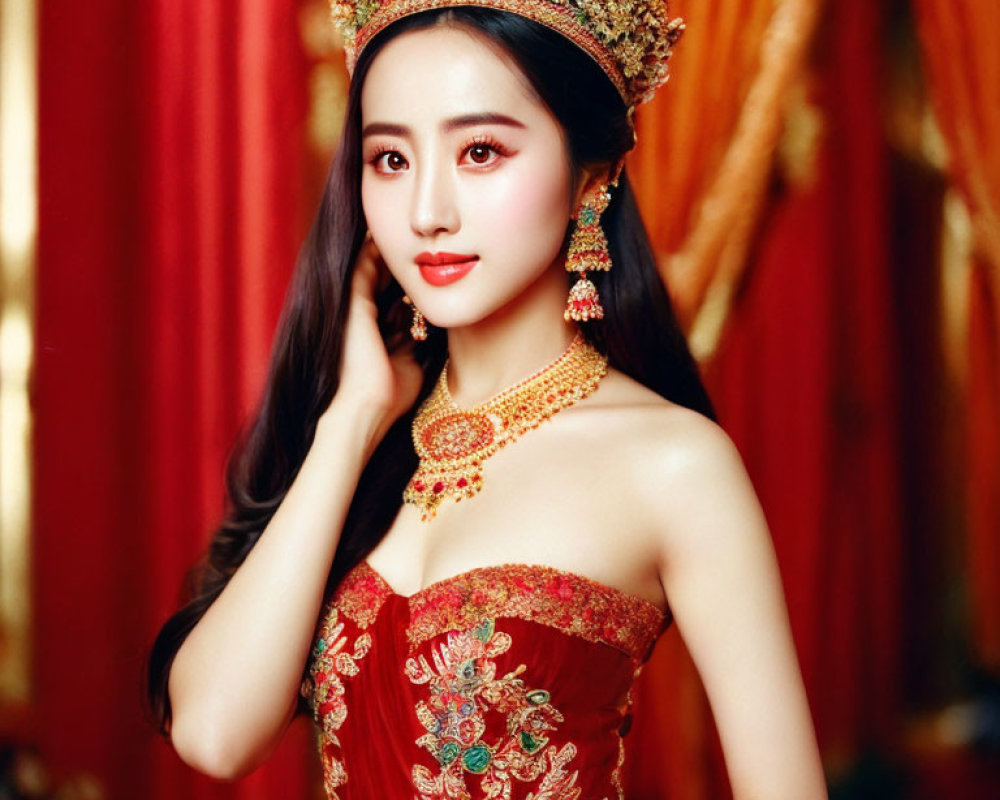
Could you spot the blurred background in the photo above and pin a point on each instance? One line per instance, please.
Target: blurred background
(822, 183)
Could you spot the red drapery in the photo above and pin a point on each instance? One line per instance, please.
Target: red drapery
(170, 181)
(807, 386)
(963, 72)
(983, 447)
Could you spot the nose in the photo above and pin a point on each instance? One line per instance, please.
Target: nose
(433, 208)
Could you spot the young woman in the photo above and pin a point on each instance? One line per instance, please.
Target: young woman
(487, 647)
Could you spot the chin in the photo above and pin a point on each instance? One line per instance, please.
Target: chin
(454, 318)
(456, 309)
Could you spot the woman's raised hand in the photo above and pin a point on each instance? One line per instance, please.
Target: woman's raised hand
(377, 377)
(213, 727)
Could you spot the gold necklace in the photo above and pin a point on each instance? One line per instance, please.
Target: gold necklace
(453, 442)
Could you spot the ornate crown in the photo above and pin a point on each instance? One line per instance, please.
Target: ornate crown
(632, 40)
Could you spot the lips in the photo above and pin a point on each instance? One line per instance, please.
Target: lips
(440, 269)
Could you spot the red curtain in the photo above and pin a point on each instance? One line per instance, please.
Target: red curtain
(171, 170)
(983, 447)
(963, 72)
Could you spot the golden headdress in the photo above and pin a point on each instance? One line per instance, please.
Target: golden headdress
(631, 40)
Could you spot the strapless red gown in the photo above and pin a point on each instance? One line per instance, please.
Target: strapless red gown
(507, 682)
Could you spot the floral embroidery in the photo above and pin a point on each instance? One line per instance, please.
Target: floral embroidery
(325, 689)
(358, 598)
(464, 686)
(361, 594)
(563, 600)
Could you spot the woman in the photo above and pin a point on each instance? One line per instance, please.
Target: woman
(487, 647)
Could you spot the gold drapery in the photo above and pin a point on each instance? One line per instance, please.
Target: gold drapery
(963, 70)
(708, 144)
(18, 242)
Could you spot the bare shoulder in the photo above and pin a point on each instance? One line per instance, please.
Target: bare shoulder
(683, 471)
(688, 493)
(670, 438)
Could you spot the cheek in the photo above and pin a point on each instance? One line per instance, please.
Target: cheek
(379, 207)
(386, 216)
(531, 204)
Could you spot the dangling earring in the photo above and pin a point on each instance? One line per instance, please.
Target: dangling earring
(418, 328)
(588, 250)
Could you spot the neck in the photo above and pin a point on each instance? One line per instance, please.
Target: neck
(512, 343)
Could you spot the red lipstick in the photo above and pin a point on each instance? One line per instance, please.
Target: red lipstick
(440, 269)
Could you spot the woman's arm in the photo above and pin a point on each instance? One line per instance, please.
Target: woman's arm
(235, 680)
(721, 578)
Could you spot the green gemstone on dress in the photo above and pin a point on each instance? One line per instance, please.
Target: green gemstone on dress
(587, 216)
(449, 752)
(477, 759)
(528, 742)
(320, 647)
(484, 630)
(537, 697)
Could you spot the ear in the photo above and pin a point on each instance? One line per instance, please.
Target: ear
(591, 176)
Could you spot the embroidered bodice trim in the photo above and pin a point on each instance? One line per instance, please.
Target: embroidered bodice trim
(566, 601)
(361, 594)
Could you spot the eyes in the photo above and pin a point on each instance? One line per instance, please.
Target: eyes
(482, 151)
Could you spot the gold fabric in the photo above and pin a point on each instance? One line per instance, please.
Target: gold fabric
(705, 147)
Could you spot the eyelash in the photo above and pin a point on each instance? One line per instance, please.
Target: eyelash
(477, 141)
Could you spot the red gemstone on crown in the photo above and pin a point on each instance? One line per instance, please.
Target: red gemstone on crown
(438, 487)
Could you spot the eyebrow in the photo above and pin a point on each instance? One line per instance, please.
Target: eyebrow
(464, 121)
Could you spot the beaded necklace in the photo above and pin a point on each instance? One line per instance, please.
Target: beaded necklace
(453, 442)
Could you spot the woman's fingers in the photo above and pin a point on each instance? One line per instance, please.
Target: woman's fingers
(366, 269)
(384, 277)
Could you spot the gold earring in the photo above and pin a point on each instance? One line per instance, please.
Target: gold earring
(588, 250)
(418, 328)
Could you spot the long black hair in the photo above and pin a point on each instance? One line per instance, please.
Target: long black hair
(639, 334)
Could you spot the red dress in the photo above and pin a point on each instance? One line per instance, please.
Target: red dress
(502, 682)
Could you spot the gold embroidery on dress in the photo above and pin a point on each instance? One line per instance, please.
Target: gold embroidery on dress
(563, 600)
(616, 775)
(358, 599)
(463, 686)
(361, 594)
